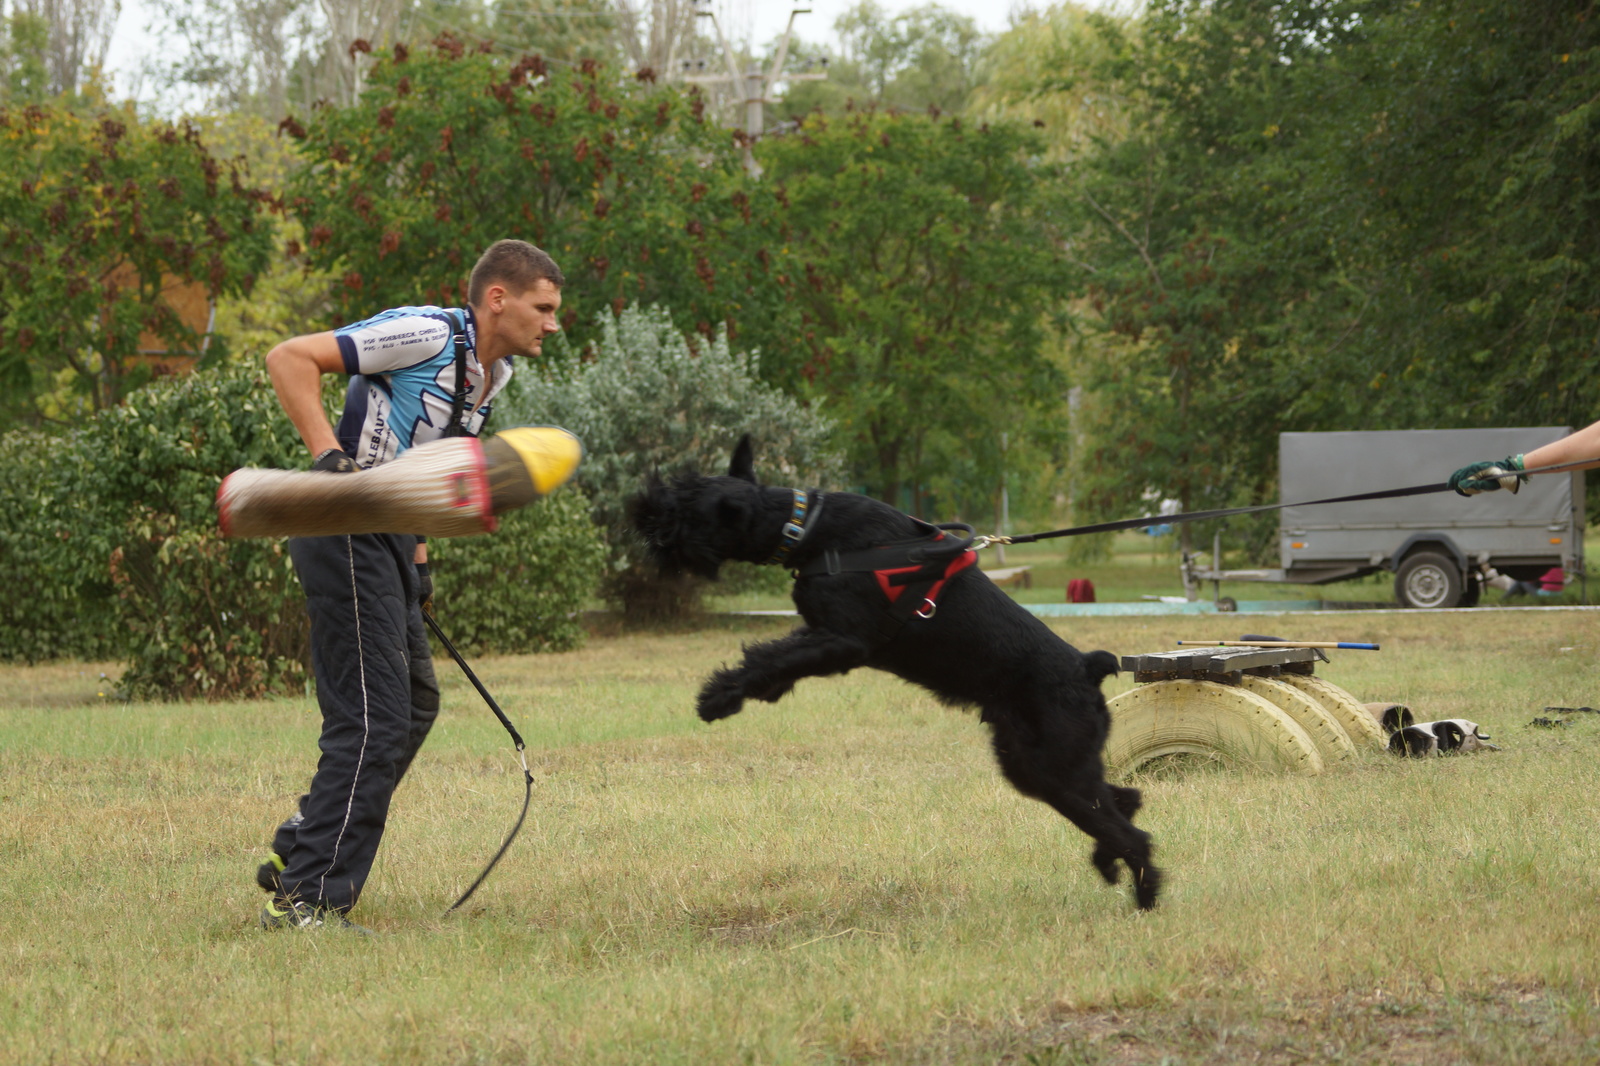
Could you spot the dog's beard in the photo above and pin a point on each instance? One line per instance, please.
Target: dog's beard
(659, 518)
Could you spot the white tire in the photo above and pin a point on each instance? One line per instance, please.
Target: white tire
(1333, 743)
(1203, 717)
(1345, 708)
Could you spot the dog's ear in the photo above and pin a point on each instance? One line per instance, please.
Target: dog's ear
(1450, 735)
(743, 465)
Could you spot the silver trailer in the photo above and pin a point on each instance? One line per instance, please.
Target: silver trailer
(1437, 545)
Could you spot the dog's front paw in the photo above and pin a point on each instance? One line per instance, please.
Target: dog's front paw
(721, 697)
(773, 692)
(1106, 862)
(1146, 886)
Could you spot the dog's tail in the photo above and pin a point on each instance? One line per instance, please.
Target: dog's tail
(1100, 665)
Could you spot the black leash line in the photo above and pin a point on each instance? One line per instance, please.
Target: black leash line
(516, 738)
(1228, 512)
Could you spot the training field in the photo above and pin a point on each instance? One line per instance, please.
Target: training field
(843, 877)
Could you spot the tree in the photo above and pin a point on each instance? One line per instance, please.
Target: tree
(632, 191)
(77, 35)
(1049, 70)
(1332, 215)
(101, 214)
(240, 56)
(923, 58)
(919, 261)
(24, 43)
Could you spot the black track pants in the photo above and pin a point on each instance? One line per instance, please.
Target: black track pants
(379, 697)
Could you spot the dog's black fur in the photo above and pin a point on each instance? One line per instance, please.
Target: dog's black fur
(1039, 696)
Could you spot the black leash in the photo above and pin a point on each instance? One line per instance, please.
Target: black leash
(1228, 512)
(516, 738)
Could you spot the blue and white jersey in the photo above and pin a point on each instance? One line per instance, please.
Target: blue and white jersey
(402, 369)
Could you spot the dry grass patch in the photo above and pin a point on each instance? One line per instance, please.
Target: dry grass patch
(841, 877)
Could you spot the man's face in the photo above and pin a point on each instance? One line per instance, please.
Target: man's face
(527, 319)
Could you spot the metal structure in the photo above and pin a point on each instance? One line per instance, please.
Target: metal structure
(758, 85)
(1436, 546)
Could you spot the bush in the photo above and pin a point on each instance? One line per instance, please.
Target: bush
(643, 399)
(49, 614)
(116, 524)
(195, 614)
(519, 590)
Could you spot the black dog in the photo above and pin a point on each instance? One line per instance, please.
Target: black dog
(861, 568)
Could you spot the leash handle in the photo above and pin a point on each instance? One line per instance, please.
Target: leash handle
(516, 738)
(522, 756)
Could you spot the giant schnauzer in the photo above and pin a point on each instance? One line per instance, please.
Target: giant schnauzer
(878, 588)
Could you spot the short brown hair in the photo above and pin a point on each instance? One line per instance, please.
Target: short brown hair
(517, 265)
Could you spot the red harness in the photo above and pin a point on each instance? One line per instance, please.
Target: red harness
(894, 581)
(914, 565)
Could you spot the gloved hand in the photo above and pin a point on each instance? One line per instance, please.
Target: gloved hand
(1488, 476)
(335, 461)
(424, 587)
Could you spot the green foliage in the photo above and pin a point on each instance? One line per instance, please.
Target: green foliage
(56, 608)
(919, 261)
(521, 588)
(133, 565)
(100, 213)
(1330, 215)
(24, 38)
(646, 400)
(1048, 70)
(629, 189)
(127, 558)
(925, 57)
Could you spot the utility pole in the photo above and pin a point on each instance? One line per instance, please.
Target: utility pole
(756, 85)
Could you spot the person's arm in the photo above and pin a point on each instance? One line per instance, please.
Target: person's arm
(1582, 447)
(1584, 444)
(296, 367)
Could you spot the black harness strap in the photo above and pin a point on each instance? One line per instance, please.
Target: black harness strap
(922, 563)
(458, 403)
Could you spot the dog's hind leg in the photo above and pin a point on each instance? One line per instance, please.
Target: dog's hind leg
(770, 669)
(1073, 784)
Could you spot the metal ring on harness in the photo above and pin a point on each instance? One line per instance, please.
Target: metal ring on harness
(927, 609)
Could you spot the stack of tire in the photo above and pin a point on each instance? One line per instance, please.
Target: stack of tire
(1293, 723)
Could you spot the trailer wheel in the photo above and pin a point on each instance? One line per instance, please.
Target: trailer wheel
(1427, 579)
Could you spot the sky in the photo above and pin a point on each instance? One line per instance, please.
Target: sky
(760, 21)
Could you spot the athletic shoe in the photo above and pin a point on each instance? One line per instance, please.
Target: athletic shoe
(267, 873)
(281, 914)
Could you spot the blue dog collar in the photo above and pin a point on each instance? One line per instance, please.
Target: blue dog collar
(806, 505)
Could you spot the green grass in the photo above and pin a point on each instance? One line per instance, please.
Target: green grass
(843, 877)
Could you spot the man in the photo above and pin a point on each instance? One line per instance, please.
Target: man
(411, 381)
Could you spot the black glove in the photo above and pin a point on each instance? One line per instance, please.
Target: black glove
(424, 587)
(335, 461)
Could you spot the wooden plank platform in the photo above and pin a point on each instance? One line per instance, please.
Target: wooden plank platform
(1020, 576)
(1224, 665)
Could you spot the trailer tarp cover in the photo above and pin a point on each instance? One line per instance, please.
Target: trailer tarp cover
(1317, 465)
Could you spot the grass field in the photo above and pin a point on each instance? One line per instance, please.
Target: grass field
(843, 877)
